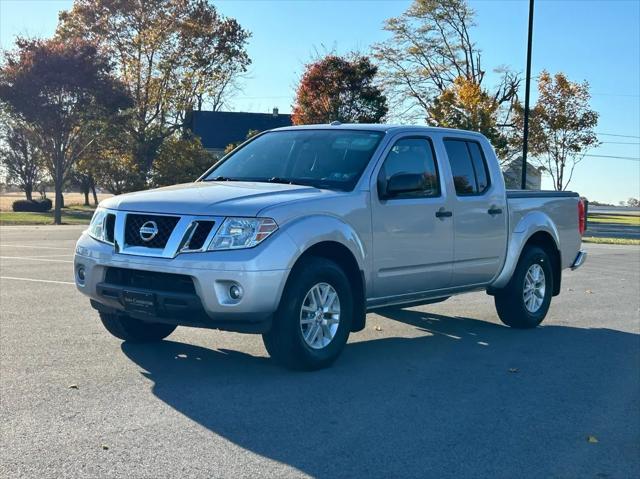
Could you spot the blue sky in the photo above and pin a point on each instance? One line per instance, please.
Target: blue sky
(597, 41)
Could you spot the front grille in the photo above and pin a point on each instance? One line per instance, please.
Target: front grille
(134, 222)
(150, 280)
(203, 228)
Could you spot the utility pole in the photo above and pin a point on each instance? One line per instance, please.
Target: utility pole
(527, 88)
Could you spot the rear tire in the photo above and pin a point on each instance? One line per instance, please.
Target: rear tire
(303, 335)
(525, 300)
(134, 330)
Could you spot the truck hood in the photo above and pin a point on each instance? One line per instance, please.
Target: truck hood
(217, 198)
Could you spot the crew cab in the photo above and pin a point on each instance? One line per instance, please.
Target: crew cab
(300, 231)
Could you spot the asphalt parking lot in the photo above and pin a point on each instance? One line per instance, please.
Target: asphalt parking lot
(437, 391)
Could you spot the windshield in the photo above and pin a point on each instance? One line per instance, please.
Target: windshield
(321, 158)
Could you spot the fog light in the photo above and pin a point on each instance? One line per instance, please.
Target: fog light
(235, 292)
(80, 274)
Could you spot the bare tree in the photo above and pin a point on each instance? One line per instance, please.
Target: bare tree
(431, 59)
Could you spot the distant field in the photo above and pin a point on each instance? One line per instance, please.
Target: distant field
(72, 215)
(619, 241)
(70, 199)
(615, 219)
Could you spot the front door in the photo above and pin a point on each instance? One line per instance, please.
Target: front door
(412, 232)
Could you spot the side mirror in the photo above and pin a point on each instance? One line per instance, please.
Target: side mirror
(403, 183)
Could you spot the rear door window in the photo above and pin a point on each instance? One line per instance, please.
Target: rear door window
(468, 167)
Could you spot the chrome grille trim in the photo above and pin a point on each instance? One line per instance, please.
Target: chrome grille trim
(192, 230)
(177, 239)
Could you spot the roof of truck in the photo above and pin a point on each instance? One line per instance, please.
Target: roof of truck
(376, 127)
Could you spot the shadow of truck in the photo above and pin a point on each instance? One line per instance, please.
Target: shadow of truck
(467, 399)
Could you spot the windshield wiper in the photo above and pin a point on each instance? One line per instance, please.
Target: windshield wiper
(284, 181)
(219, 178)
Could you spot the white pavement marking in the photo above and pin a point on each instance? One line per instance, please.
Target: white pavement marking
(36, 280)
(46, 255)
(2, 245)
(26, 258)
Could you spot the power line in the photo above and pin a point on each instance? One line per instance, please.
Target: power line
(630, 158)
(616, 94)
(619, 143)
(613, 134)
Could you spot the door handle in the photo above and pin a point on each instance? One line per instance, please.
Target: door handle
(494, 211)
(441, 213)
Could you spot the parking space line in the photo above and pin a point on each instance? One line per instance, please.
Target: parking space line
(27, 258)
(2, 245)
(46, 255)
(36, 280)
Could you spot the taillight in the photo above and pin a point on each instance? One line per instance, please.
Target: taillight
(582, 216)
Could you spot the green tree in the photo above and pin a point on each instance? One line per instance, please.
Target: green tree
(172, 55)
(232, 146)
(561, 127)
(342, 89)
(111, 161)
(21, 157)
(432, 70)
(180, 161)
(60, 89)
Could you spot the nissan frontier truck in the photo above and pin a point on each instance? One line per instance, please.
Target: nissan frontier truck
(300, 231)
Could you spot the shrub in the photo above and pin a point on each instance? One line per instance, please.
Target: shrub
(34, 206)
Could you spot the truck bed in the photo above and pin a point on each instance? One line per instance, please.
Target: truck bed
(540, 194)
(561, 209)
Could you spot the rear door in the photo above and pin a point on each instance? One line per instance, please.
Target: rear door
(479, 213)
(412, 247)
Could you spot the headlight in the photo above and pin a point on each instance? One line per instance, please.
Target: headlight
(97, 228)
(236, 233)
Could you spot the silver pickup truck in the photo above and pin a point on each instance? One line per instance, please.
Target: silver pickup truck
(301, 231)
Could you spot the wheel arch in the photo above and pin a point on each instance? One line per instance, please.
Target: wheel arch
(343, 257)
(535, 229)
(545, 241)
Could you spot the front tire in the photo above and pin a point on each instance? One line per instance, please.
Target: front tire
(525, 301)
(134, 330)
(312, 324)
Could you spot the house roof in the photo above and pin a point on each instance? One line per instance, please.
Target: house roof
(217, 129)
(515, 168)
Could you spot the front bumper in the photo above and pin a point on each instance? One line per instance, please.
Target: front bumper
(209, 304)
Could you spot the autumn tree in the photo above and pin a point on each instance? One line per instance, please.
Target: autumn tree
(561, 127)
(172, 55)
(60, 89)
(342, 89)
(20, 156)
(466, 105)
(432, 70)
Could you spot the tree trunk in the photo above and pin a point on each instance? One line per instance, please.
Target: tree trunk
(93, 192)
(57, 212)
(58, 183)
(86, 197)
(28, 191)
